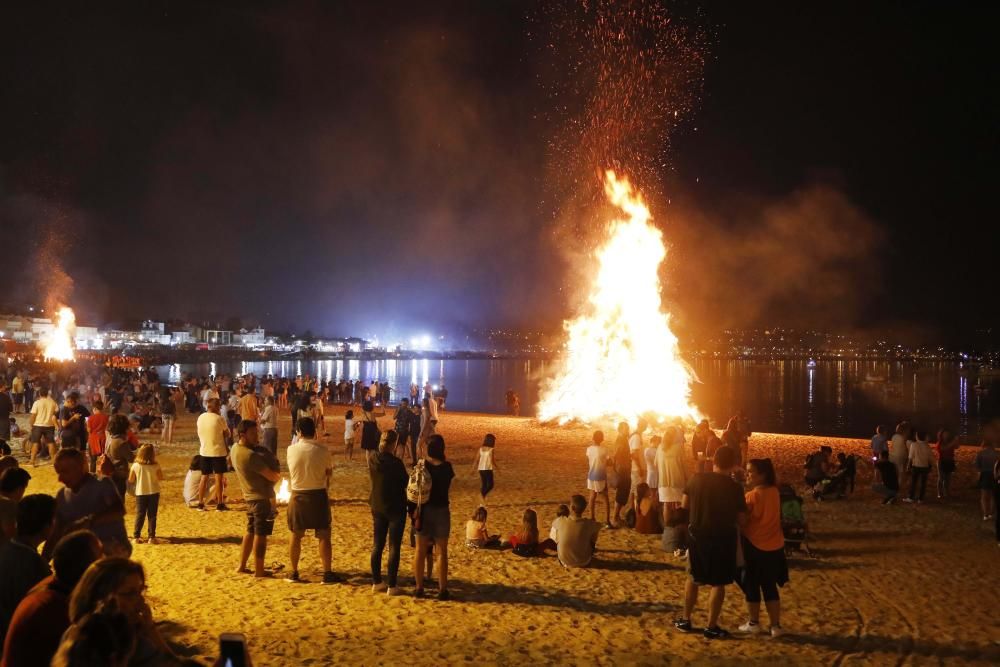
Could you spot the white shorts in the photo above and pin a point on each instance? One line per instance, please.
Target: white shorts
(597, 485)
(669, 494)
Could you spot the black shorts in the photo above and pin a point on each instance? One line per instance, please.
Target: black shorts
(622, 490)
(214, 465)
(309, 510)
(260, 517)
(712, 560)
(37, 432)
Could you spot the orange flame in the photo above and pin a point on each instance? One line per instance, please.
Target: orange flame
(622, 360)
(284, 492)
(59, 344)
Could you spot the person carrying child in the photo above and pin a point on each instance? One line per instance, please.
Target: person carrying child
(146, 475)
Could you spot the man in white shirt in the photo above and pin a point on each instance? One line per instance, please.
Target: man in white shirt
(43, 424)
(597, 475)
(212, 433)
(309, 467)
(208, 394)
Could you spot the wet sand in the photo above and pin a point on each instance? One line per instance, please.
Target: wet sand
(888, 585)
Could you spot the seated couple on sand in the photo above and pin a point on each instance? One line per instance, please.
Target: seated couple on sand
(573, 537)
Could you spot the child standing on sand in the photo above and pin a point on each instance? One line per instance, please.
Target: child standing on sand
(146, 475)
(486, 465)
(350, 433)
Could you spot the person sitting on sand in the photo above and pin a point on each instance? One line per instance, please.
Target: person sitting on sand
(257, 480)
(576, 536)
(716, 506)
(847, 465)
(818, 466)
(562, 512)
(888, 486)
(647, 511)
(477, 535)
(674, 538)
(525, 541)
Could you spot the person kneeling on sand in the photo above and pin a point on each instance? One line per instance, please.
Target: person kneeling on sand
(717, 506)
(576, 536)
(257, 480)
(309, 467)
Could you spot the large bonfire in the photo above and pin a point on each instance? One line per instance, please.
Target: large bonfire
(58, 346)
(622, 360)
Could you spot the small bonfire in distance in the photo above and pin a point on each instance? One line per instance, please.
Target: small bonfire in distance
(621, 341)
(58, 345)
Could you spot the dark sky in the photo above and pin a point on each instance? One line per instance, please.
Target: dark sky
(381, 168)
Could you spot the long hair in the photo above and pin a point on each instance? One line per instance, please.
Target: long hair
(529, 527)
(99, 582)
(146, 454)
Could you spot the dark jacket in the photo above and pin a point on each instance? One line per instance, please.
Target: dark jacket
(389, 481)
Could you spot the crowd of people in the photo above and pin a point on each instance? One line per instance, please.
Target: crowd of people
(722, 513)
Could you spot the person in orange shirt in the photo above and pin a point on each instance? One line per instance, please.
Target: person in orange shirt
(763, 549)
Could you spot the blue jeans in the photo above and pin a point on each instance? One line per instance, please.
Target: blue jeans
(390, 526)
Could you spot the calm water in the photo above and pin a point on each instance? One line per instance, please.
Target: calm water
(835, 398)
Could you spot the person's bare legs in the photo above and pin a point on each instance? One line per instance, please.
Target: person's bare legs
(593, 502)
(715, 600)
(773, 612)
(259, 552)
(753, 612)
(419, 556)
(295, 549)
(245, 549)
(442, 558)
(220, 491)
(607, 506)
(202, 487)
(985, 499)
(690, 598)
(34, 455)
(52, 452)
(325, 550)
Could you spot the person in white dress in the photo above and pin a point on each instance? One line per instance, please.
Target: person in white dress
(671, 474)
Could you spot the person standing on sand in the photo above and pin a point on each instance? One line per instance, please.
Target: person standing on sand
(435, 519)
(212, 433)
(716, 507)
(763, 549)
(388, 505)
(671, 474)
(945, 447)
(309, 467)
(919, 464)
(486, 466)
(985, 462)
(269, 426)
(597, 476)
(638, 469)
(899, 454)
(623, 470)
(257, 480)
(401, 420)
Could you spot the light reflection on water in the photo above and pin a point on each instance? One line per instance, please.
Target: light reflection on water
(835, 398)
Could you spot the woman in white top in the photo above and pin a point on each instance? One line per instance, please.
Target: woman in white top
(146, 475)
(672, 477)
(269, 426)
(486, 466)
(919, 464)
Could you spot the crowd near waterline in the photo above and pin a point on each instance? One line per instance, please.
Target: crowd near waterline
(69, 590)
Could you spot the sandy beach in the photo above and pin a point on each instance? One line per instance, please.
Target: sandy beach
(888, 585)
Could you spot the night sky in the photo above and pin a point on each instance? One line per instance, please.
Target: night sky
(381, 168)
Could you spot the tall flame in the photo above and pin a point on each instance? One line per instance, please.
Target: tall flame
(59, 344)
(284, 493)
(622, 359)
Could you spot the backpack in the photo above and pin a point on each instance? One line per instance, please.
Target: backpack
(418, 489)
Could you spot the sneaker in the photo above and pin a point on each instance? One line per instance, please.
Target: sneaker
(444, 595)
(751, 628)
(683, 624)
(419, 593)
(380, 587)
(200, 507)
(715, 633)
(331, 578)
(293, 577)
(393, 591)
(907, 500)
(776, 631)
(221, 508)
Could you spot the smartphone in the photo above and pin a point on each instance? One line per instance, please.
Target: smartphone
(233, 649)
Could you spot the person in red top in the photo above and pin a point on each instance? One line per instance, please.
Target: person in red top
(97, 427)
(947, 443)
(42, 617)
